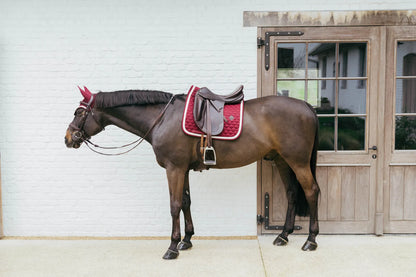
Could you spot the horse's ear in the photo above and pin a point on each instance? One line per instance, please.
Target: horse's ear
(80, 90)
(86, 93)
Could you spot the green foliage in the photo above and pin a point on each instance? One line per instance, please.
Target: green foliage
(405, 133)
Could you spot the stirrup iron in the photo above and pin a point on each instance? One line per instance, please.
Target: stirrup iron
(209, 156)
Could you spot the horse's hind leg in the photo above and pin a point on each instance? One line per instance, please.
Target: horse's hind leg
(291, 185)
(186, 209)
(311, 189)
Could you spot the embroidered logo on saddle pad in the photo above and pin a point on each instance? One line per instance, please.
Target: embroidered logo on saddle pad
(233, 119)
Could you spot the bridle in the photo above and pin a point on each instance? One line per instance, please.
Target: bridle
(79, 135)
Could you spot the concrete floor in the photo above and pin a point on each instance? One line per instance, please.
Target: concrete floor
(337, 255)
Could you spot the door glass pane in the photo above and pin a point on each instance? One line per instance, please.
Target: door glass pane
(321, 60)
(352, 98)
(405, 132)
(405, 129)
(295, 89)
(406, 58)
(406, 95)
(326, 97)
(352, 60)
(291, 60)
(326, 133)
(351, 133)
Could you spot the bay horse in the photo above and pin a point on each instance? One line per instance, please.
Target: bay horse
(277, 128)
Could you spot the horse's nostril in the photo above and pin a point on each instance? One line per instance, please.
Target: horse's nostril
(77, 135)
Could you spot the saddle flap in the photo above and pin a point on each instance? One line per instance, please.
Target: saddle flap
(216, 114)
(216, 117)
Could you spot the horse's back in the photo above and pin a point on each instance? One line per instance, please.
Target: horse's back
(281, 104)
(281, 111)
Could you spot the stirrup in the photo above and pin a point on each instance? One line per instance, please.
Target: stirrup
(209, 156)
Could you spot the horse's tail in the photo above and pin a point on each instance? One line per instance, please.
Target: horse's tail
(314, 155)
(302, 206)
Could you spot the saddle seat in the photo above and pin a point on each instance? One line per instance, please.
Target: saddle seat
(234, 97)
(209, 115)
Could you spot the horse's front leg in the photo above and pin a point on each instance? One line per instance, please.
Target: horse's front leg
(186, 209)
(176, 179)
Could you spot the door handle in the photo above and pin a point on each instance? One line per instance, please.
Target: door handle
(374, 148)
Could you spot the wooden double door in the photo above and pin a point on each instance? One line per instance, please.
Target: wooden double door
(362, 83)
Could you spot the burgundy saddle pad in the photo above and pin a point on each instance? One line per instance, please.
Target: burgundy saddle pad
(233, 119)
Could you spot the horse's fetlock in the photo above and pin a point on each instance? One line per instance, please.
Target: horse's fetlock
(188, 236)
(312, 237)
(176, 237)
(289, 231)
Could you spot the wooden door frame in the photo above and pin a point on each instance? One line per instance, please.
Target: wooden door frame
(382, 19)
(347, 161)
(394, 158)
(1, 207)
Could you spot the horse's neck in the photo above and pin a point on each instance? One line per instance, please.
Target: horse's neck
(135, 119)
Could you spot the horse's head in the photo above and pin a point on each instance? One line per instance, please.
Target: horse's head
(85, 123)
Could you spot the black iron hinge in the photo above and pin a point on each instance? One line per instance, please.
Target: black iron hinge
(260, 42)
(266, 42)
(265, 219)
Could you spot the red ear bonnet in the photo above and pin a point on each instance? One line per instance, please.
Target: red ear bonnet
(88, 98)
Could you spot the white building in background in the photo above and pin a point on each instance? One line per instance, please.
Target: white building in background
(47, 48)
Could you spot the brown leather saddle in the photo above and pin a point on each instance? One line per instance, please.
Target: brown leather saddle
(209, 117)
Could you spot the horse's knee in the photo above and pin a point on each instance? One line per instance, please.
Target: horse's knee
(175, 209)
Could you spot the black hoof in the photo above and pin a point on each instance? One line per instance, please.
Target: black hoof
(309, 246)
(171, 255)
(184, 245)
(279, 241)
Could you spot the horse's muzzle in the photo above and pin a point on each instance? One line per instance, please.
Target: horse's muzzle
(73, 140)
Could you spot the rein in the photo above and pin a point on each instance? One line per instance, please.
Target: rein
(135, 143)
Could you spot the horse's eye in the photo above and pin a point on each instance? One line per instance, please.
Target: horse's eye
(79, 112)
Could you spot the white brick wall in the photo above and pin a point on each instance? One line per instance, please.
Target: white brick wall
(49, 47)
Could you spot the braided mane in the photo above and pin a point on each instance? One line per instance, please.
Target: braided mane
(131, 97)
